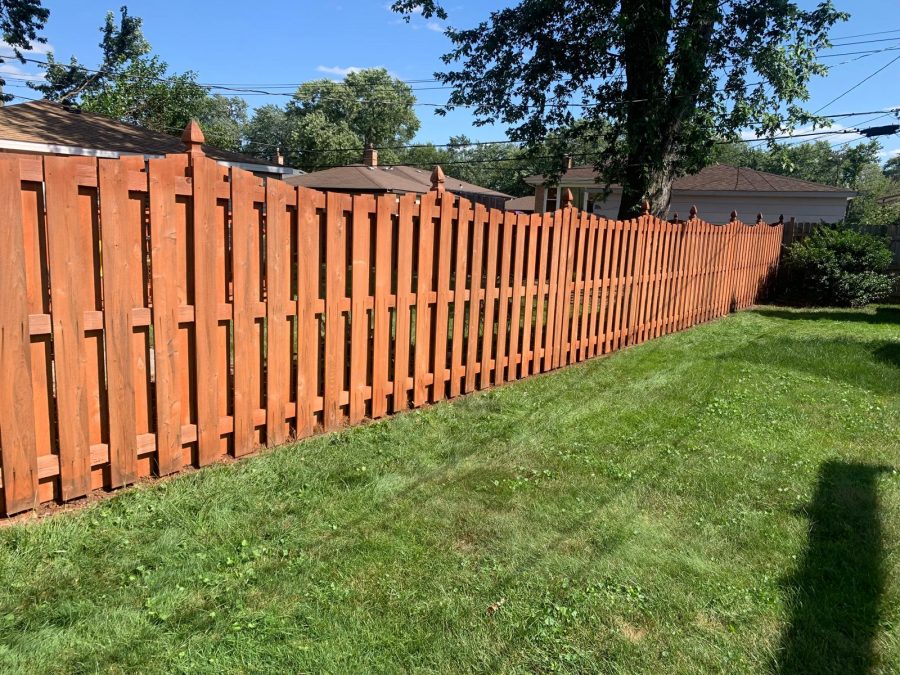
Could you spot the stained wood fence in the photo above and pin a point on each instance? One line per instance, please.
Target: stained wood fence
(167, 313)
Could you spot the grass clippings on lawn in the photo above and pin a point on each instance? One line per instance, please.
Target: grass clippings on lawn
(721, 500)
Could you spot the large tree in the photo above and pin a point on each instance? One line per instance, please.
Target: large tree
(662, 81)
(328, 122)
(132, 85)
(20, 23)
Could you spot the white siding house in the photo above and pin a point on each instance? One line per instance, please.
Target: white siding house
(716, 191)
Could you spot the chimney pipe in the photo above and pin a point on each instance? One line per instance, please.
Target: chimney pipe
(279, 158)
(567, 162)
(370, 155)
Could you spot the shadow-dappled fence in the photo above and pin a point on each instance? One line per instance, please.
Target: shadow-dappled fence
(165, 313)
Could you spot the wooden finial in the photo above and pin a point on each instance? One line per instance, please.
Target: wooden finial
(781, 219)
(693, 213)
(759, 218)
(645, 208)
(437, 179)
(567, 198)
(675, 217)
(193, 139)
(734, 216)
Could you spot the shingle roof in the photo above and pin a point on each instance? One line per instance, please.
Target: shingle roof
(383, 178)
(521, 204)
(53, 124)
(721, 177)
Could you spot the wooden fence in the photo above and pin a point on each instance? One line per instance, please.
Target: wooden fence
(166, 313)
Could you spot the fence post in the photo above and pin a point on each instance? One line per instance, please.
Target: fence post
(566, 199)
(734, 216)
(693, 212)
(438, 180)
(193, 139)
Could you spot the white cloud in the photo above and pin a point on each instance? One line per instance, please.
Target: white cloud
(338, 70)
(14, 71)
(344, 72)
(37, 49)
(435, 26)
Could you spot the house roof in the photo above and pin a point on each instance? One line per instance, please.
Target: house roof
(520, 204)
(716, 178)
(50, 123)
(383, 179)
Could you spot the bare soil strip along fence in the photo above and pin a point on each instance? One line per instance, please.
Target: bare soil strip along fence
(166, 313)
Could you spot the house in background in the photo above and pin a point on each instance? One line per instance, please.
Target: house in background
(521, 204)
(716, 191)
(369, 178)
(47, 128)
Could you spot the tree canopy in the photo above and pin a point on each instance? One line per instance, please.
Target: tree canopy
(661, 82)
(134, 86)
(20, 23)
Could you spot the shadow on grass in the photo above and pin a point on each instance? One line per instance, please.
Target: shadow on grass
(880, 316)
(838, 585)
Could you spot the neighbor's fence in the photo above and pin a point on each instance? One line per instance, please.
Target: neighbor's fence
(167, 313)
(794, 231)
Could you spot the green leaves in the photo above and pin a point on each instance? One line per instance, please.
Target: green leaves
(659, 83)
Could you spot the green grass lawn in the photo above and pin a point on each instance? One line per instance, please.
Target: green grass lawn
(722, 500)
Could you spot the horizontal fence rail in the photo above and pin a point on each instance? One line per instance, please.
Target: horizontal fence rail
(165, 313)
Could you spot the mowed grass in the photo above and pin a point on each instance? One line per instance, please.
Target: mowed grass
(721, 500)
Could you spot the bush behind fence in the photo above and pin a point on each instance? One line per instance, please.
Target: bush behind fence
(168, 313)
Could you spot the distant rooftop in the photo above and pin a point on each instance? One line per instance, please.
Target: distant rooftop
(62, 128)
(364, 178)
(718, 177)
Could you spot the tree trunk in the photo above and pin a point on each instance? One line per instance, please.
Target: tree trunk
(643, 183)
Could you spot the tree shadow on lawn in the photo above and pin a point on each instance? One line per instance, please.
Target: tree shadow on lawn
(837, 587)
(871, 364)
(882, 315)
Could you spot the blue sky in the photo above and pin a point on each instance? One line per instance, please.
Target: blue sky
(283, 43)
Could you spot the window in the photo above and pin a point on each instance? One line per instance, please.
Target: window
(551, 198)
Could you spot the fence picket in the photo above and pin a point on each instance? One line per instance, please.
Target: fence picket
(19, 452)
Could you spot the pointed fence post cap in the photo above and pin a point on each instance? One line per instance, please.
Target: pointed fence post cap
(438, 179)
(781, 219)
(567, 198)
(733, 216)
(675, 217)
(759, 218)
(645, 208)
(693, 212)
(193, 139)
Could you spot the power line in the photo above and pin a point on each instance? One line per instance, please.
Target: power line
(858, 84)
(880, 32)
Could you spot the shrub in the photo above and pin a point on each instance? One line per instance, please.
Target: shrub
(839, 266)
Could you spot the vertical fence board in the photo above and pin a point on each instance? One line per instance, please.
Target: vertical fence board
(168, 224)
(308, 268)
(121, 251)
(490, 297)
(386, 209)
(404, 299)
(67, 275)
(363, 209)
(18, 454)
(515, 315)
(463, 219)
(206, 320)
(424, 270)
(532, 224)
(442, 305)
(545, 285)
(246, 238)
(503, 327)
(335, 292)
(473, 366)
